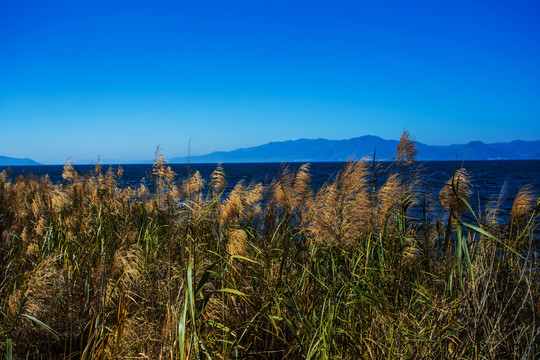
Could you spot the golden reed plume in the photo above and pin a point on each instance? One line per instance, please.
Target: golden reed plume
(523, 204)
(194, 185)
(69, 172)
(292, 191)
(341, 209)
(218, 182)
(406, 150)
(390, 197)
(237, 244)
(455, 191)
(242, 202)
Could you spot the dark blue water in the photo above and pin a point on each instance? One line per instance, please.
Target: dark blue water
(487, 177)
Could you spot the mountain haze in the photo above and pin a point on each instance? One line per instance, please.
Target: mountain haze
(314, 150)
(10, 161)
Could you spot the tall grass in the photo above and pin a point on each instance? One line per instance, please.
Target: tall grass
(180, 269)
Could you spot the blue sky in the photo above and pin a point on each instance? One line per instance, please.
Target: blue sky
(117, 78)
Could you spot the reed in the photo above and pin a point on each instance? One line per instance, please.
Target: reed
(183, 269)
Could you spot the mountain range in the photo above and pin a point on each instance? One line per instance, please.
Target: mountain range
(314, 150)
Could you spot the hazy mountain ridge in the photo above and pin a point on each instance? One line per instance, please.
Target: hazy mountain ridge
(317, 150)
(310, 150)
(10, 161)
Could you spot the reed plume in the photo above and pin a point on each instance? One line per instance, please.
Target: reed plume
(166, 192)
(218, 182)
(237, 244)
(110, 180)
(241, 203)
(341, 209)
(160, 170)
(456, 191)
(302, 188)
(69, 172)
(126, 268)
(292, 191)
(194, 185)
(233, 207)
(389, 197)
(493, 207)
(406, 149)
(282, 189)
(523, 205)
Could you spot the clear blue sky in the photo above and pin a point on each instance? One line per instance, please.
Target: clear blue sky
(117, 78)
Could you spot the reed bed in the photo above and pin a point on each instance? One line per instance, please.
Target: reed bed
(179, 269)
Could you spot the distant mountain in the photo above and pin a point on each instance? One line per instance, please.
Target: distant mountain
(307, 150)
(9, 161)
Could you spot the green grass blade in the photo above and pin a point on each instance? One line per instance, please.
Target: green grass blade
(43, 325)
(233, 291)
(484, 232)
(182, 329)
